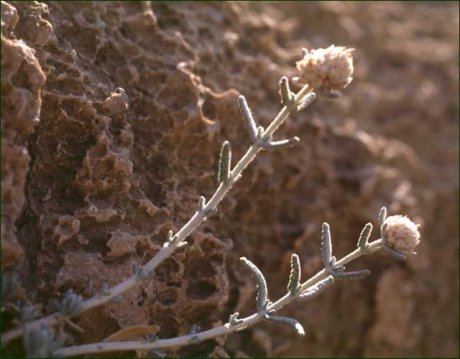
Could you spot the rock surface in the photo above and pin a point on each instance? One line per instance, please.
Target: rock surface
(112, 119)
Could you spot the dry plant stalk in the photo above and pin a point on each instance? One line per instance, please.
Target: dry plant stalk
(326, 70)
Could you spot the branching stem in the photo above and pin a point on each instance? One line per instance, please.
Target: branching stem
(167, 250)
(225, 329)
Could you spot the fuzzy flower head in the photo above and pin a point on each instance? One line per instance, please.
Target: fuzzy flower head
(328, 69)
(401, 234)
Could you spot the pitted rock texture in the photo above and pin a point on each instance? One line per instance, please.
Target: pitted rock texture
(112, 119)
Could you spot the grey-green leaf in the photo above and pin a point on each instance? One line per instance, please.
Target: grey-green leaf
(271, 145)
(249, 121)
(317, 289)
(294, 276)
(364, 236)
(352, 275)
(326, 244)
(309, 98)
(287, 321)
(287, 96)
(382, 215)
(225, 162)
(262, 291)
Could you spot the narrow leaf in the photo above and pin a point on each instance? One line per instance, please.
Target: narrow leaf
(249, 121)
(309, 98)
(317, 288)
(282, 143)
(364, 236)
(393, 253)
(352, 275)
(225, 162)
(287, 321)
(294, 277)
(262, 292)
(382, 215)
(326, 245)
(285, 92)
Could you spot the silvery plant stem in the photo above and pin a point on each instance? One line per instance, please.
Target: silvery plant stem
(198, 217)
(104, 347)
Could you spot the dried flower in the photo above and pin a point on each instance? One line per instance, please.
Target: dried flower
(326, 69)
(401, 234)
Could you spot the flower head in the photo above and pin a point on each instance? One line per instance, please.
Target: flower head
(401, 234)
(328, 69)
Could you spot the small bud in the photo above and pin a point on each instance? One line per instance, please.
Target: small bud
(169, 239)
(201, 203)
(194, 329)
(260, 132)
(401, 234)
(233, 319)
(105, 290)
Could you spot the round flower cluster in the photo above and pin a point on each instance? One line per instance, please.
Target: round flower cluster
(401, 234)
(328, 69)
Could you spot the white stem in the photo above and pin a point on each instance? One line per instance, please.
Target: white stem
(180, 236)
(103, 347)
